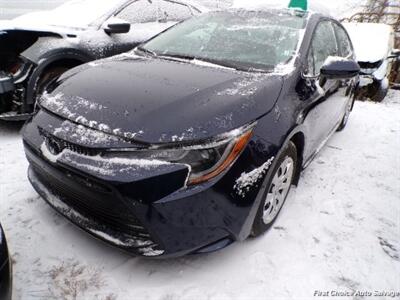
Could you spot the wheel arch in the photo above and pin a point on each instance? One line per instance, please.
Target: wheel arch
(69, 59)
(298, 139)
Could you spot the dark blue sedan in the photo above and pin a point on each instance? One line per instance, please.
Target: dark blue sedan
(193, 140)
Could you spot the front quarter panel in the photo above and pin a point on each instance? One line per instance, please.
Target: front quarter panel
(5, 269)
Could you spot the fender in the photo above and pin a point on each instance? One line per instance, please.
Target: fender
(248, 225)
(47, 46)
(60, 54)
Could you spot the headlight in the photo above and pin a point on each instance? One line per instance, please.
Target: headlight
(206, 160)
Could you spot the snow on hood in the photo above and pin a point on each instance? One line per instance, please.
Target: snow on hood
(73, 14)
(7, 25)
(371, 41)
(206, 101)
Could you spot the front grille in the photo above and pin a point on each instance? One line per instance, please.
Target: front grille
(78, 149)
(63, 144)
(102, 207)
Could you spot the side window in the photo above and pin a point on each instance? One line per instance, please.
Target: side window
(171, 11)
(310, 62)
(141, 11)
(346, 50)
(323, 45)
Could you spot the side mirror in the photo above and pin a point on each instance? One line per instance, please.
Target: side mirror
(339, 68)
(116, 26)
(395, 53)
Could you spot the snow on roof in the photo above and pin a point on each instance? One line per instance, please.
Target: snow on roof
(314, 6)
(75, 13)
(372, 42)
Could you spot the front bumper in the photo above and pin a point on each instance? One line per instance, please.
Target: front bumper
(174, 226)
(146, 217)
(5, 270)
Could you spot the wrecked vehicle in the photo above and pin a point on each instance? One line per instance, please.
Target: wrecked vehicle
(5, 269)
(375, 58)
(37, 48)
(194, 140)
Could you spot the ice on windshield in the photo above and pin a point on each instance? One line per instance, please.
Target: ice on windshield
(245, 39)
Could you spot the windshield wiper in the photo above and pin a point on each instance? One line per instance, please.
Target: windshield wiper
(145, 50)
(178, 56)
(216, 62)
(192, 58)
(231, 65)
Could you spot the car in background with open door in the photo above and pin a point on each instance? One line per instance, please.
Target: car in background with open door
(38, 47)
(374, 49)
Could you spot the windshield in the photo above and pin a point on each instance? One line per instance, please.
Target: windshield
(241, 39)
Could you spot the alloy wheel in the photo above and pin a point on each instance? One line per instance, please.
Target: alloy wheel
(278, 190)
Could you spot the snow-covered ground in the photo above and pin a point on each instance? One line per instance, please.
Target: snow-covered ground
(339, 230)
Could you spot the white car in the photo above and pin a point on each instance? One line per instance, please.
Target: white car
(374, 48)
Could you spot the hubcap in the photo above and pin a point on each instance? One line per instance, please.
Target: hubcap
(278, 190)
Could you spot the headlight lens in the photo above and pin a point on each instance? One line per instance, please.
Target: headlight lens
(206, 160)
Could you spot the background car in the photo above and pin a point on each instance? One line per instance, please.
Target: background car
(374, 49)
(5, 269)
(38, 47)
(194, 140)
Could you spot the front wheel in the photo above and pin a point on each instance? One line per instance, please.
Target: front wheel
(277, 190)
(379, 90)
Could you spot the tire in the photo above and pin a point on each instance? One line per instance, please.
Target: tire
(272, 204)
(346, 116)
(379, 90)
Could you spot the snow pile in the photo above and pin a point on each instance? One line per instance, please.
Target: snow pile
(247, 180)
(372, 42)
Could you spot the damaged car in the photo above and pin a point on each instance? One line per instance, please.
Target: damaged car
(38, 47)
(5, 269)
(375, 58)
(194, 140)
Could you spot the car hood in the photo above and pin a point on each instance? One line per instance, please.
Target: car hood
(368, 50)
(159, 101)
(41, 27)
